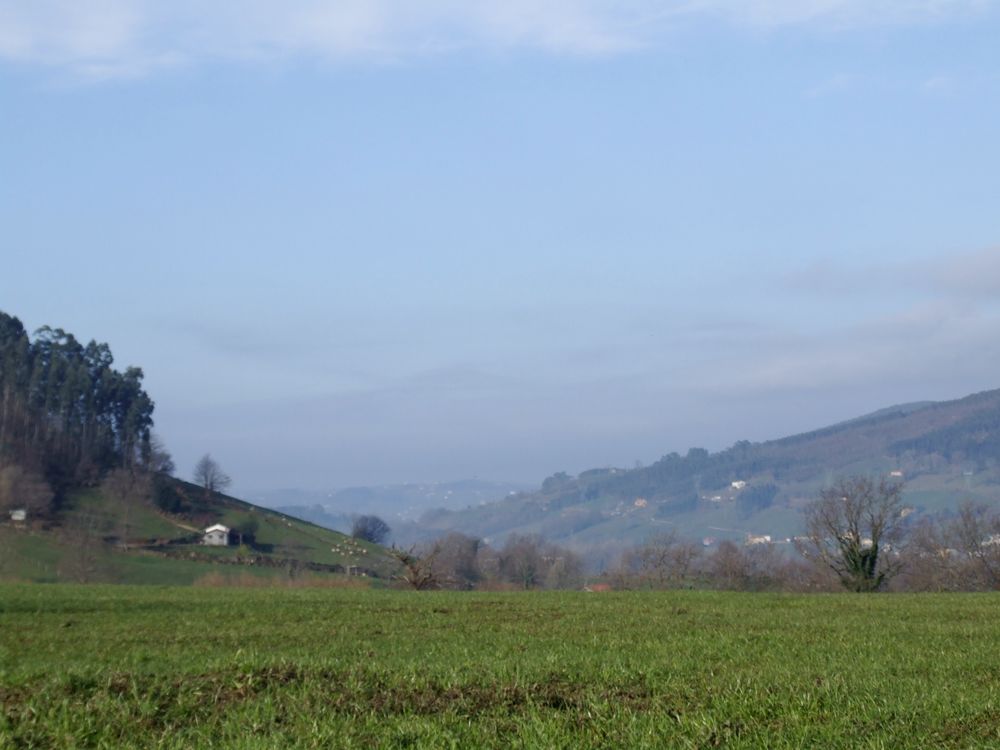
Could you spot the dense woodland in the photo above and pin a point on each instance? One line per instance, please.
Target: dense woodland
(67, 417)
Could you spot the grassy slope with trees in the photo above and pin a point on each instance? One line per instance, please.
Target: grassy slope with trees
(96, 536)
(947, 452)
(78, 457)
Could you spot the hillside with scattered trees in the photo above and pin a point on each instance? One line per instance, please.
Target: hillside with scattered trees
(87, 492)
(945, 454)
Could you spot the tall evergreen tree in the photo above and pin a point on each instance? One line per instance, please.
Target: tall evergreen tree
(64, 411)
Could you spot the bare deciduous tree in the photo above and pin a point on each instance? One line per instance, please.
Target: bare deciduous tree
(854, 529)
(930, 563)
(661, 561)
(956, 553)
(529, 561)
(727, 566)
(86, 558)
(418, 571)
(522, 560)
(371, 529)
(210, 476)
(456, 560)
(565, 570)
(127, 488)
(975, 534)
(157, 458)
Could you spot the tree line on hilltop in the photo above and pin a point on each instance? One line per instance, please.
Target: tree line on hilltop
(67, 416)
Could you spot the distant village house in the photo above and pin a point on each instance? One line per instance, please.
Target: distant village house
(19, 515)
(216, 536)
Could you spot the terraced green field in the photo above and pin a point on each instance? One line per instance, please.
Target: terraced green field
(104, 666)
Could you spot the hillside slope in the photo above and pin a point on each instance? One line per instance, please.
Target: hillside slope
(86, 492)
(95, 536)
(945, 452)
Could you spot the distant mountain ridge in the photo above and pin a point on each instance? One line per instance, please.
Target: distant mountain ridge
(888, 411)
(398, 504)
(945, 451)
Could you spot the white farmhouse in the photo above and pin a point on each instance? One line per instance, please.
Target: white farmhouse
(19, 515)
(739, 484)
(216, 536)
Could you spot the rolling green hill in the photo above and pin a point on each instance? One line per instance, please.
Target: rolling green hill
(95, 536)
(945, 452)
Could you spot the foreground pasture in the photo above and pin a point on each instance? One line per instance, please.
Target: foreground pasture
(258, 668)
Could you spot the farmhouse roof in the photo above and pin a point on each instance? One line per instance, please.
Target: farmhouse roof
(217, 527)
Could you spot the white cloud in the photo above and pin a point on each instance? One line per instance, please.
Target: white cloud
(840, 13)
(916, 322)
(920, 345)
(132, 36)
(964, 275)
(128, 37)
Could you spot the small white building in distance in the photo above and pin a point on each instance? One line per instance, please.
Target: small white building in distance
(19, 515)
(739, 484)
(216, 536)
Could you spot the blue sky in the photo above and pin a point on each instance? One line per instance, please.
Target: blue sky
(357, 242)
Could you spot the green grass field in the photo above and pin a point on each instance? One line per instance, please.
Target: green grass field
(104, 666)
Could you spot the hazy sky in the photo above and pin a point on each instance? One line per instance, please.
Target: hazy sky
(381, 240)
